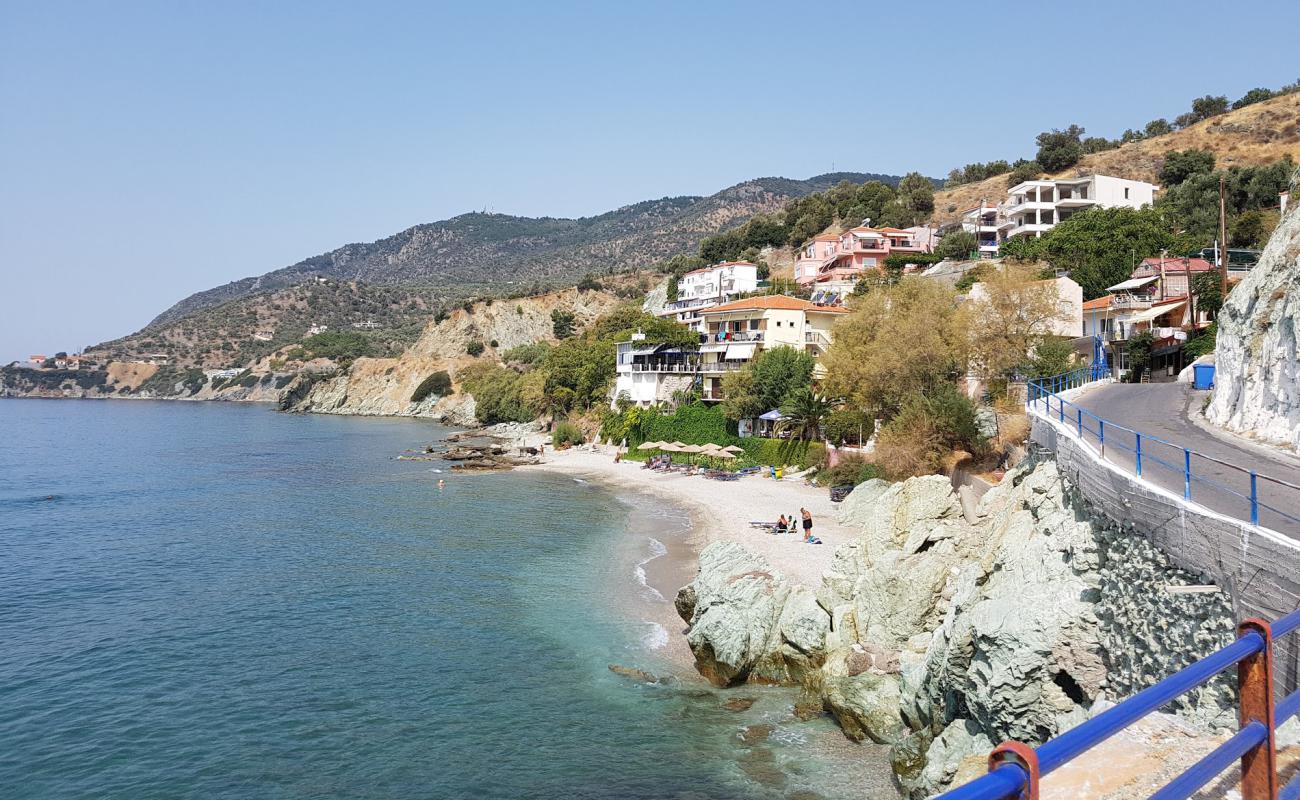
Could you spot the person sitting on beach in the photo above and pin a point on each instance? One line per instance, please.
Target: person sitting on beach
(782, 525)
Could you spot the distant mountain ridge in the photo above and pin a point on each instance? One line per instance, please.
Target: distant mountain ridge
(481, 253)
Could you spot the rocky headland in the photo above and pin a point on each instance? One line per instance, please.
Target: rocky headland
(941, 633)
(1257, 352)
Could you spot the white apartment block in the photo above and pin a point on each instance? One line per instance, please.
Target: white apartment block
(710, 286)
(1034, 207)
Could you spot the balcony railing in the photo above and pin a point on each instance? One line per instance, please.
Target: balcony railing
(1130, 301)
(722, 366)
(736, 336)
(663, 366)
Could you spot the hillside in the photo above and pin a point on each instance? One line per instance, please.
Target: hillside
(1257, 134)
(478, 253)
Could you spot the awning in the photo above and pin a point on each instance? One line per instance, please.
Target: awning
(772, 416)
(646, 351)
(717, 347)
(1150, 314)
(745, 350)
(1132, 283)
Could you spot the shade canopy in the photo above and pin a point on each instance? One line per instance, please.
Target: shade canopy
(773, 415)
(678, 445)
(670, 447)
(650, 445)
(733, 449)
(721, 454)
(691, 448)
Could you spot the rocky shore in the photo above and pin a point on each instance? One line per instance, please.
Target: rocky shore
(940, 633)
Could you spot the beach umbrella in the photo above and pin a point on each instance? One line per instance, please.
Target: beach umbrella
(733, 449)
(670, 448)
(678, 445)
(649, 445)
(722, 453)
(691, 448)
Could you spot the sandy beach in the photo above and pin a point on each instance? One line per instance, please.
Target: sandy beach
(722, 510)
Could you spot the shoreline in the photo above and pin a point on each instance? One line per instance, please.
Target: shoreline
(720, 510)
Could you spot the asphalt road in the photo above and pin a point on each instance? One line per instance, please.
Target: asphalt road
(1160, 411)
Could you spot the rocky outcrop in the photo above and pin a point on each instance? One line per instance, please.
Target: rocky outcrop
(1257, 354)
(748, 622)
(384, 386)
(947, 635)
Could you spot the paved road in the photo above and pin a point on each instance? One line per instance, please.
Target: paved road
(1160, 410)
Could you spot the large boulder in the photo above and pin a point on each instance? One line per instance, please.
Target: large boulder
(1257, 353)
(748, 622)
(859, 686)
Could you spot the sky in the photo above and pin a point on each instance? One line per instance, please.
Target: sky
(151, 150)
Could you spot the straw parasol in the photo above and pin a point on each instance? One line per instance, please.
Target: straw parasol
(650, 445)
(721, 453)
(678, 444)
(691, 448)
(671, 447)
(733, 449)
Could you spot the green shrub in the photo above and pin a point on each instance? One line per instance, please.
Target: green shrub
(494, 344)
(847, 425)
(337, 345)
(531, 354)
(474, 348)
(439, 383)
(567, 434)
(849, 472)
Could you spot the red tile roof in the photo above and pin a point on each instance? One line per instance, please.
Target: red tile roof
(1099, 304)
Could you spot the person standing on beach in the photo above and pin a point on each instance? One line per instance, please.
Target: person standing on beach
(807, 524)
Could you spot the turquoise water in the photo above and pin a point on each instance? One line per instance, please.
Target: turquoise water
(218, 601)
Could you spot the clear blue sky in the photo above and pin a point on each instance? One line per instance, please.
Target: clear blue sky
(154, 149)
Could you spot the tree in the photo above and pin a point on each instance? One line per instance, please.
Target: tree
(803, 413)
(1053, 356)
(1022, 171)
(1139, 354)
(1257, 95)
(898, 341)
(474, 348)
(562, 323)
(956, 244)
(1179, 165)
(916, 198)
(778, 372)
(1097, 144)
(1252, 228)
(1209, 106)
(849, 425)
(1101, 246)
(1207, 292)
(1059, 149)
(1158, 127)
(739, 398)
(926, 428)
(1010, 314)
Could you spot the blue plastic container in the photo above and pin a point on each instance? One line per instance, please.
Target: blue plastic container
(1203, 376)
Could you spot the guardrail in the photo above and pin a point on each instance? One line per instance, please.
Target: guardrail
(1210, 482)
(1015, 769)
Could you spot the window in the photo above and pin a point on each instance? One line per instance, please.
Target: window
(1125, 192)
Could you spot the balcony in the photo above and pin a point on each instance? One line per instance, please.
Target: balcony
(1129, 302)
(661, 366)
(736, 336)
(714, 367)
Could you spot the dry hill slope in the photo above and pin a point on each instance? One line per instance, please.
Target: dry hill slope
(1257, 134)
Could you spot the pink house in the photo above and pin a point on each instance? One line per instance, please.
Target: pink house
(847, 256)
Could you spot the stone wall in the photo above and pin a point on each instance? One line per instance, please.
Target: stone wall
(1259, 570)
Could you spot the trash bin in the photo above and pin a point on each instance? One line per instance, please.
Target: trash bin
(1203, 376)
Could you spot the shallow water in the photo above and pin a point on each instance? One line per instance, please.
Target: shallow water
(215, 600)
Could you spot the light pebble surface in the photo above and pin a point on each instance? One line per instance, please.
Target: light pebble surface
(722, 510)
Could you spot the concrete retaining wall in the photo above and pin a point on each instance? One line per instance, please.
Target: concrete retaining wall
(1259, 569)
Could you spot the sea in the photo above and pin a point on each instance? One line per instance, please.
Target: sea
(216, 600)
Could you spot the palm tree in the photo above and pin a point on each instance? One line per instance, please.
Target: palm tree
(803, 414)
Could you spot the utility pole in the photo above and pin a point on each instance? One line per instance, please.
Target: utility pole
(1223, 238)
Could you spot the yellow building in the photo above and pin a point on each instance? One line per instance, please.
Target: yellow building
(736, 332)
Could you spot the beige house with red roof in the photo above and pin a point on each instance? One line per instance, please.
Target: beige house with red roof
(732, 335)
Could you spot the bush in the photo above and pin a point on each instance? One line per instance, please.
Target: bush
(849, 425)
(562, 323)
(531, 354)
(567, 434)
(1180, 165)
(439, 383)
(1203, 343)
(338, 345)
(926, 430)
(474, 348)
(494, 344)
(849, 472)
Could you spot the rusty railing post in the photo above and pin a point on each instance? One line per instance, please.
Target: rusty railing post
(1025, 756)
(1255, 697)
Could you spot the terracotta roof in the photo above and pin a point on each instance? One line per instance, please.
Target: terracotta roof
(1098, 304)
(772, 301)
(1175, 265)
(826, 237)
(892, 230)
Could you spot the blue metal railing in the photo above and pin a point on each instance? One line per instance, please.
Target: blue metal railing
(1016, 769)
(1218, 485)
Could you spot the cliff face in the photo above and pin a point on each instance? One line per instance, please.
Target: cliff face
(1257, 377)
(941, 637)
(383, 386)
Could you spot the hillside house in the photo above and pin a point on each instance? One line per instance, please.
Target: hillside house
(845, 257)
(710, 286)
(37, 359)
(1134, 306)
(733, 334)
(737, 332)
(1034, 207)
(982, 221)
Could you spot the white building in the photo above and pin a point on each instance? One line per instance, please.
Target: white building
(983, 222)
(1035, 207)
(710, 286)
